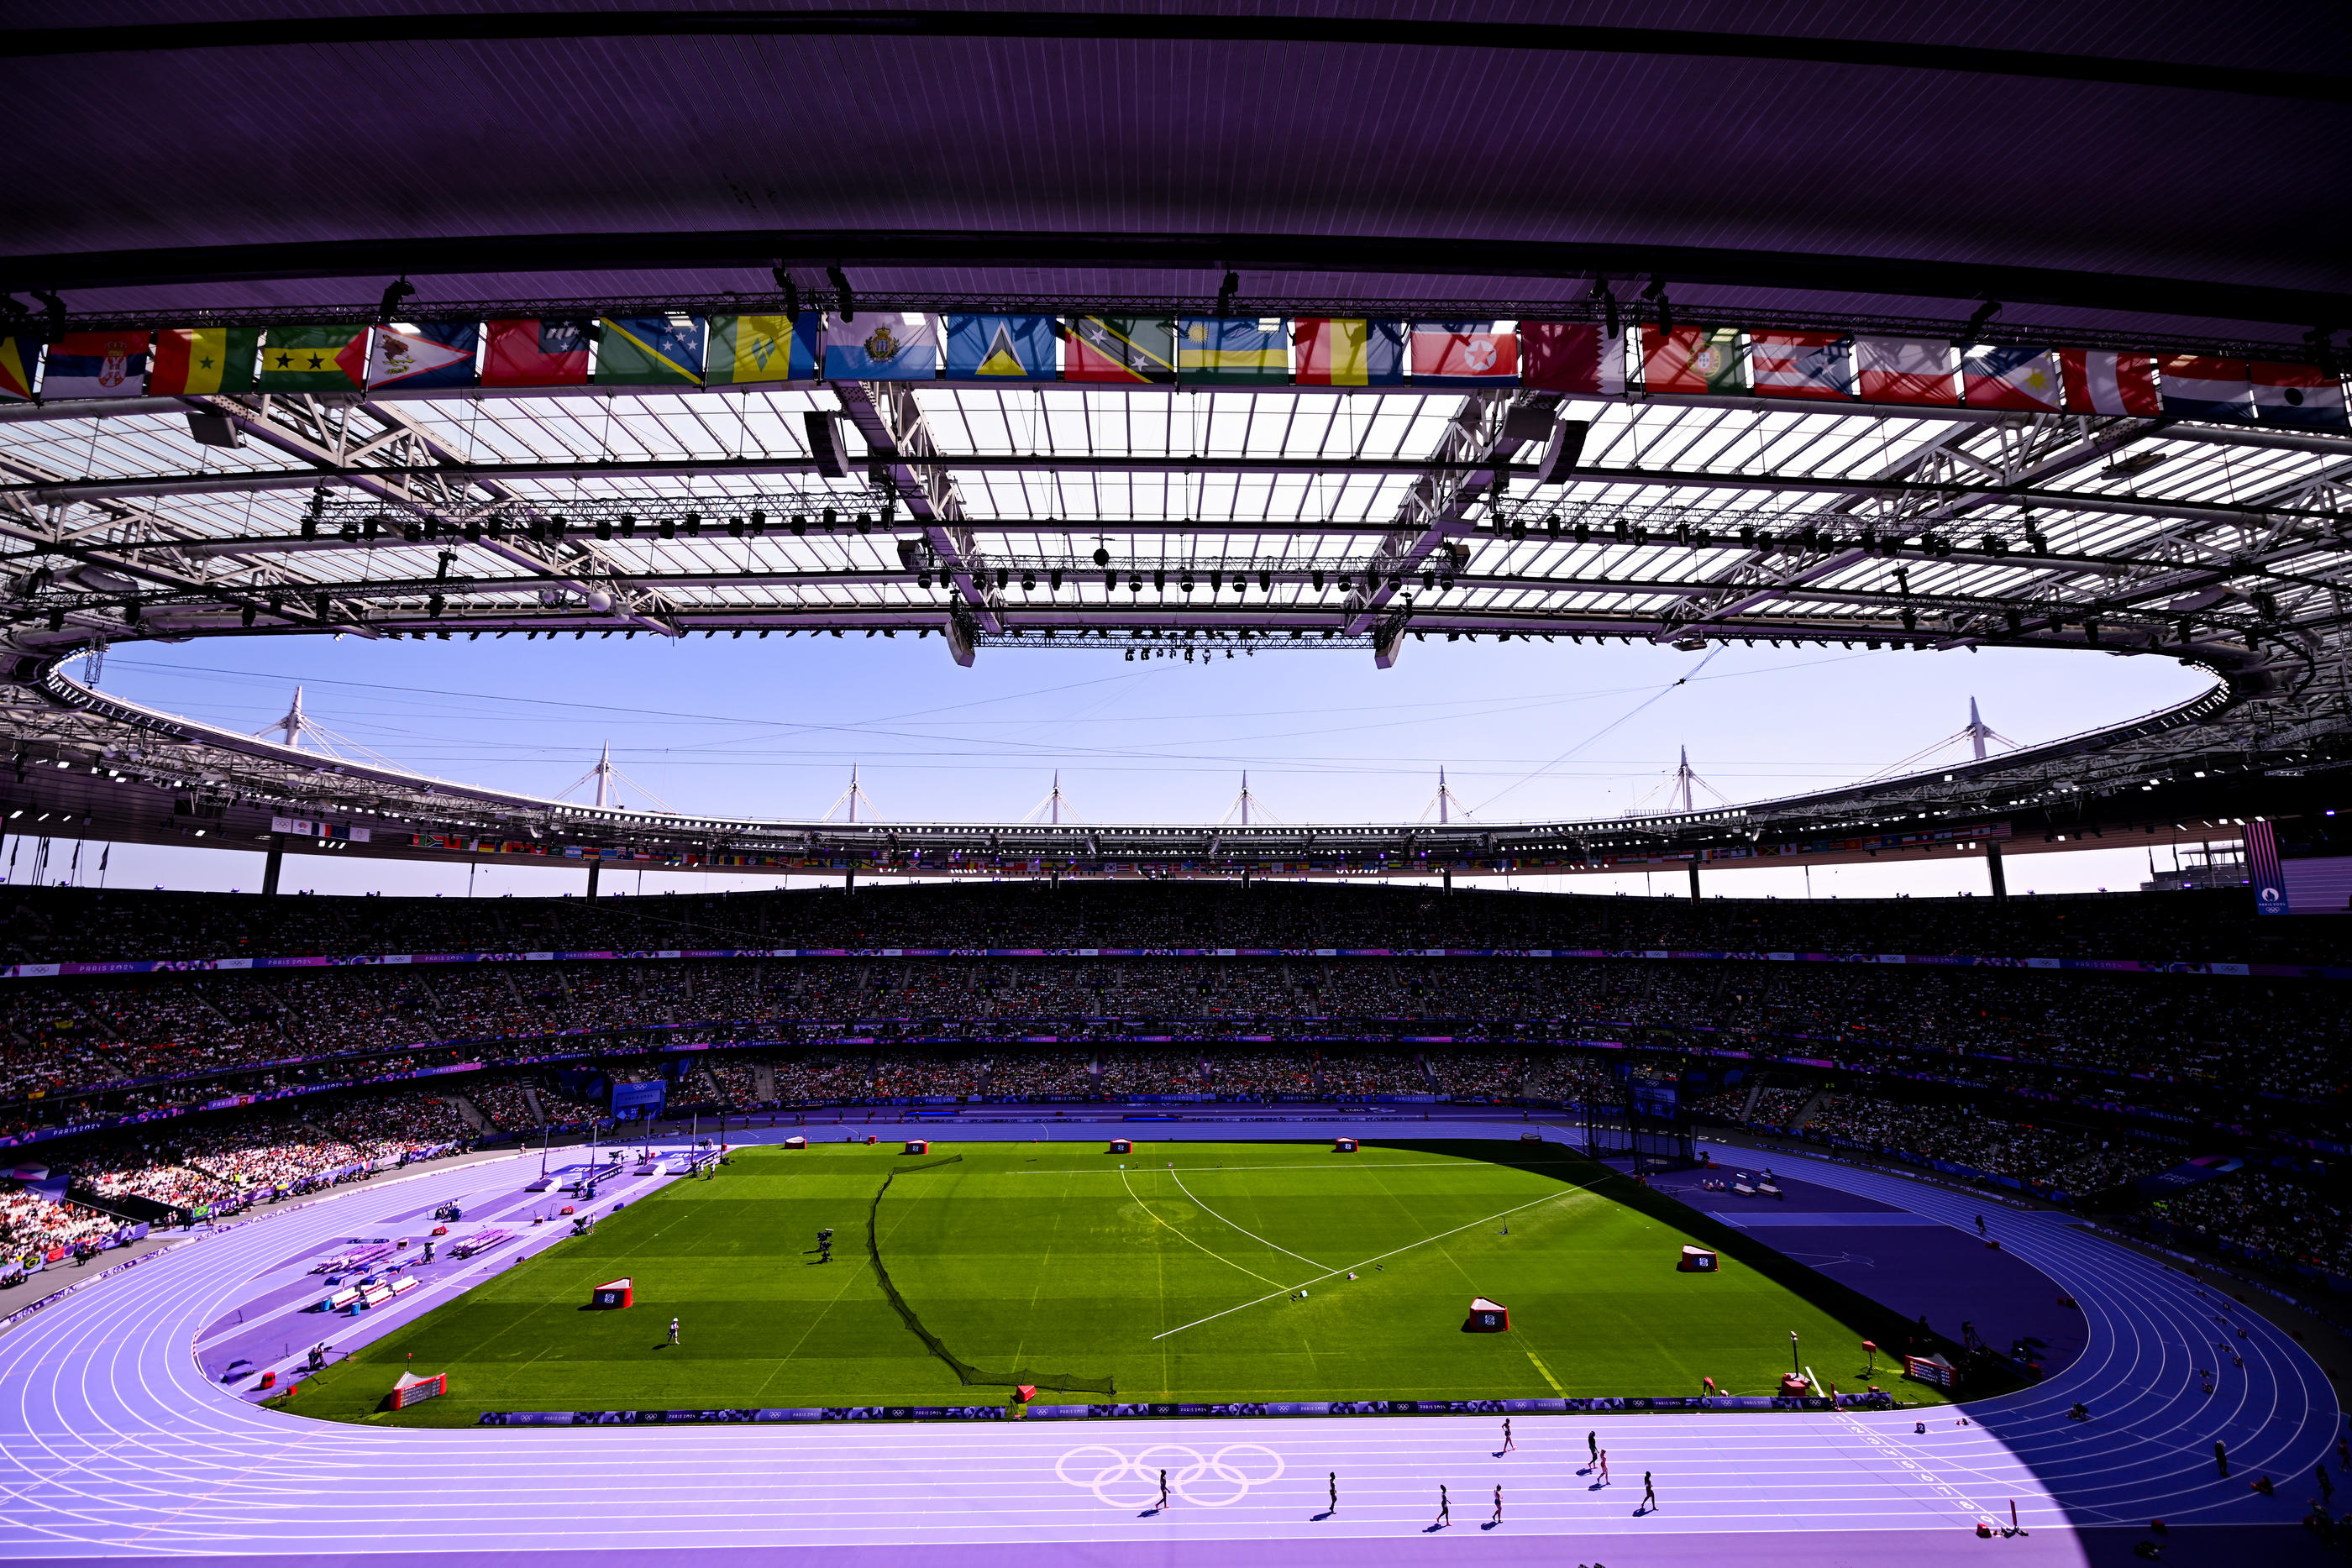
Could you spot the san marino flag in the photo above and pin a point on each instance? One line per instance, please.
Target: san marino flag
(749, 350)
(1001, 348)
(883, 347)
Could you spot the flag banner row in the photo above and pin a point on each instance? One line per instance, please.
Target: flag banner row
(688, 351)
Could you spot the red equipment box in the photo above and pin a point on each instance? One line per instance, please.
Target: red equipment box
(1487, 1317)
(613, 1293)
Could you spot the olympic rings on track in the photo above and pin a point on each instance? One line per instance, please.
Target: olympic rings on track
(1221, 1480)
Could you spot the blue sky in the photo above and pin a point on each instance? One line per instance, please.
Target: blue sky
(771, 728)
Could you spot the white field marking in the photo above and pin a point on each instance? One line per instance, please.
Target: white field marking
(1424, 1242)
(1186, 1240)
(1251, 1234)
(1351, 1166)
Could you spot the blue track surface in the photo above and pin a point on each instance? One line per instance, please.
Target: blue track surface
(113, 1443)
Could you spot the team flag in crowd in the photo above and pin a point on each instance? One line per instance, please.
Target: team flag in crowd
(96, 364)
(1001, 348)
(882, 347)
(531, 352)
(649, 350)
(19, 357)
(1120, 349)
(1692, 359)
(2301, 395)
(2010, 376)
(1800, 364)
(204, 359)
(437, 354)
(314, 359)
(2197, 386)
(1349, 351)
(1465, 353)
(1572, 357)
(1213, 351)
(748, 350)
(2098, 381)
(1906, 370)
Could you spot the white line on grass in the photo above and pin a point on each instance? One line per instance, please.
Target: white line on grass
(1424, 1242)
(1336, 1165)
(1189, 1241)
(1251, 1234)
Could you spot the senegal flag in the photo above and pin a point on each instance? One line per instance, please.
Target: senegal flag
(650, 351)
(204, 359)
(747, 349)
(314, 359)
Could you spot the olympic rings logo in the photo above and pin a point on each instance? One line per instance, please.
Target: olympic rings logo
(1219, 1480)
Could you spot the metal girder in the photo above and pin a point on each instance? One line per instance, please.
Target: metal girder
(1437, 509)
(896, 431)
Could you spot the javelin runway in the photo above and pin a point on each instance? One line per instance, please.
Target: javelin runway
(113, 1443)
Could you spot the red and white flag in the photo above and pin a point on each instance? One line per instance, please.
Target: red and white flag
(2010, 376)
(2098, 381)
(2301, 395)
(1906, 370)
(1800, 364)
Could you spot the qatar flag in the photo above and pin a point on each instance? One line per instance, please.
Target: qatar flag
(2098, 381)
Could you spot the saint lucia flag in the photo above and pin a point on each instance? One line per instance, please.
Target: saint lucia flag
(95, 364)
(1001, 348)
(749, 350)
(650, 351)
(882, 347)
(1211, 351)
(436, 354)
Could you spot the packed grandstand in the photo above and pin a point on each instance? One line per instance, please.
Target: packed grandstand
(2167, 1035)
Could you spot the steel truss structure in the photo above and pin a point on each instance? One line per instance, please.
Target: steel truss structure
(1170, 524)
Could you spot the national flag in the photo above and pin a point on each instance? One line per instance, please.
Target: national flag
(649, 350)
(2199, 386)
(314, 359)
(2099, 381)
(204, 359)
(2301, 395)
(1572, 357)
(535, 353)
(1464, 354)
(1906, 370)
(1349, 351)
(748, 350)
(1120, 349)
(1001, 348)
(1692, 359)
(434, 354)
(1801, 364)
(19, 357)
(882, 347)
(2010, 376)
(96, 364)
(1250, 352)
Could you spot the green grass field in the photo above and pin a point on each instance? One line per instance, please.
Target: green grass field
(1175, 1282)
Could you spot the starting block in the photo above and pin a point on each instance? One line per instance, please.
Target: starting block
(1343, 1145)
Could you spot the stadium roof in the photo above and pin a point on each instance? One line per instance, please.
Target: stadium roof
(2113, 179)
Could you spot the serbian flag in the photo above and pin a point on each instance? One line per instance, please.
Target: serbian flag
(2098, 381)
(2005, 375)
(1906, 370)
(1692, 359)
(1463, 354)
(96, 364)
(437, 354)
(1572, 357)
(536, 353)
(1800, 364)
(2197, 386)
(1337, 351)
(2302, 395)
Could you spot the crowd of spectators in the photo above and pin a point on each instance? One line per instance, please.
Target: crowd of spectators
(2275, 1217)
(42, 924)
